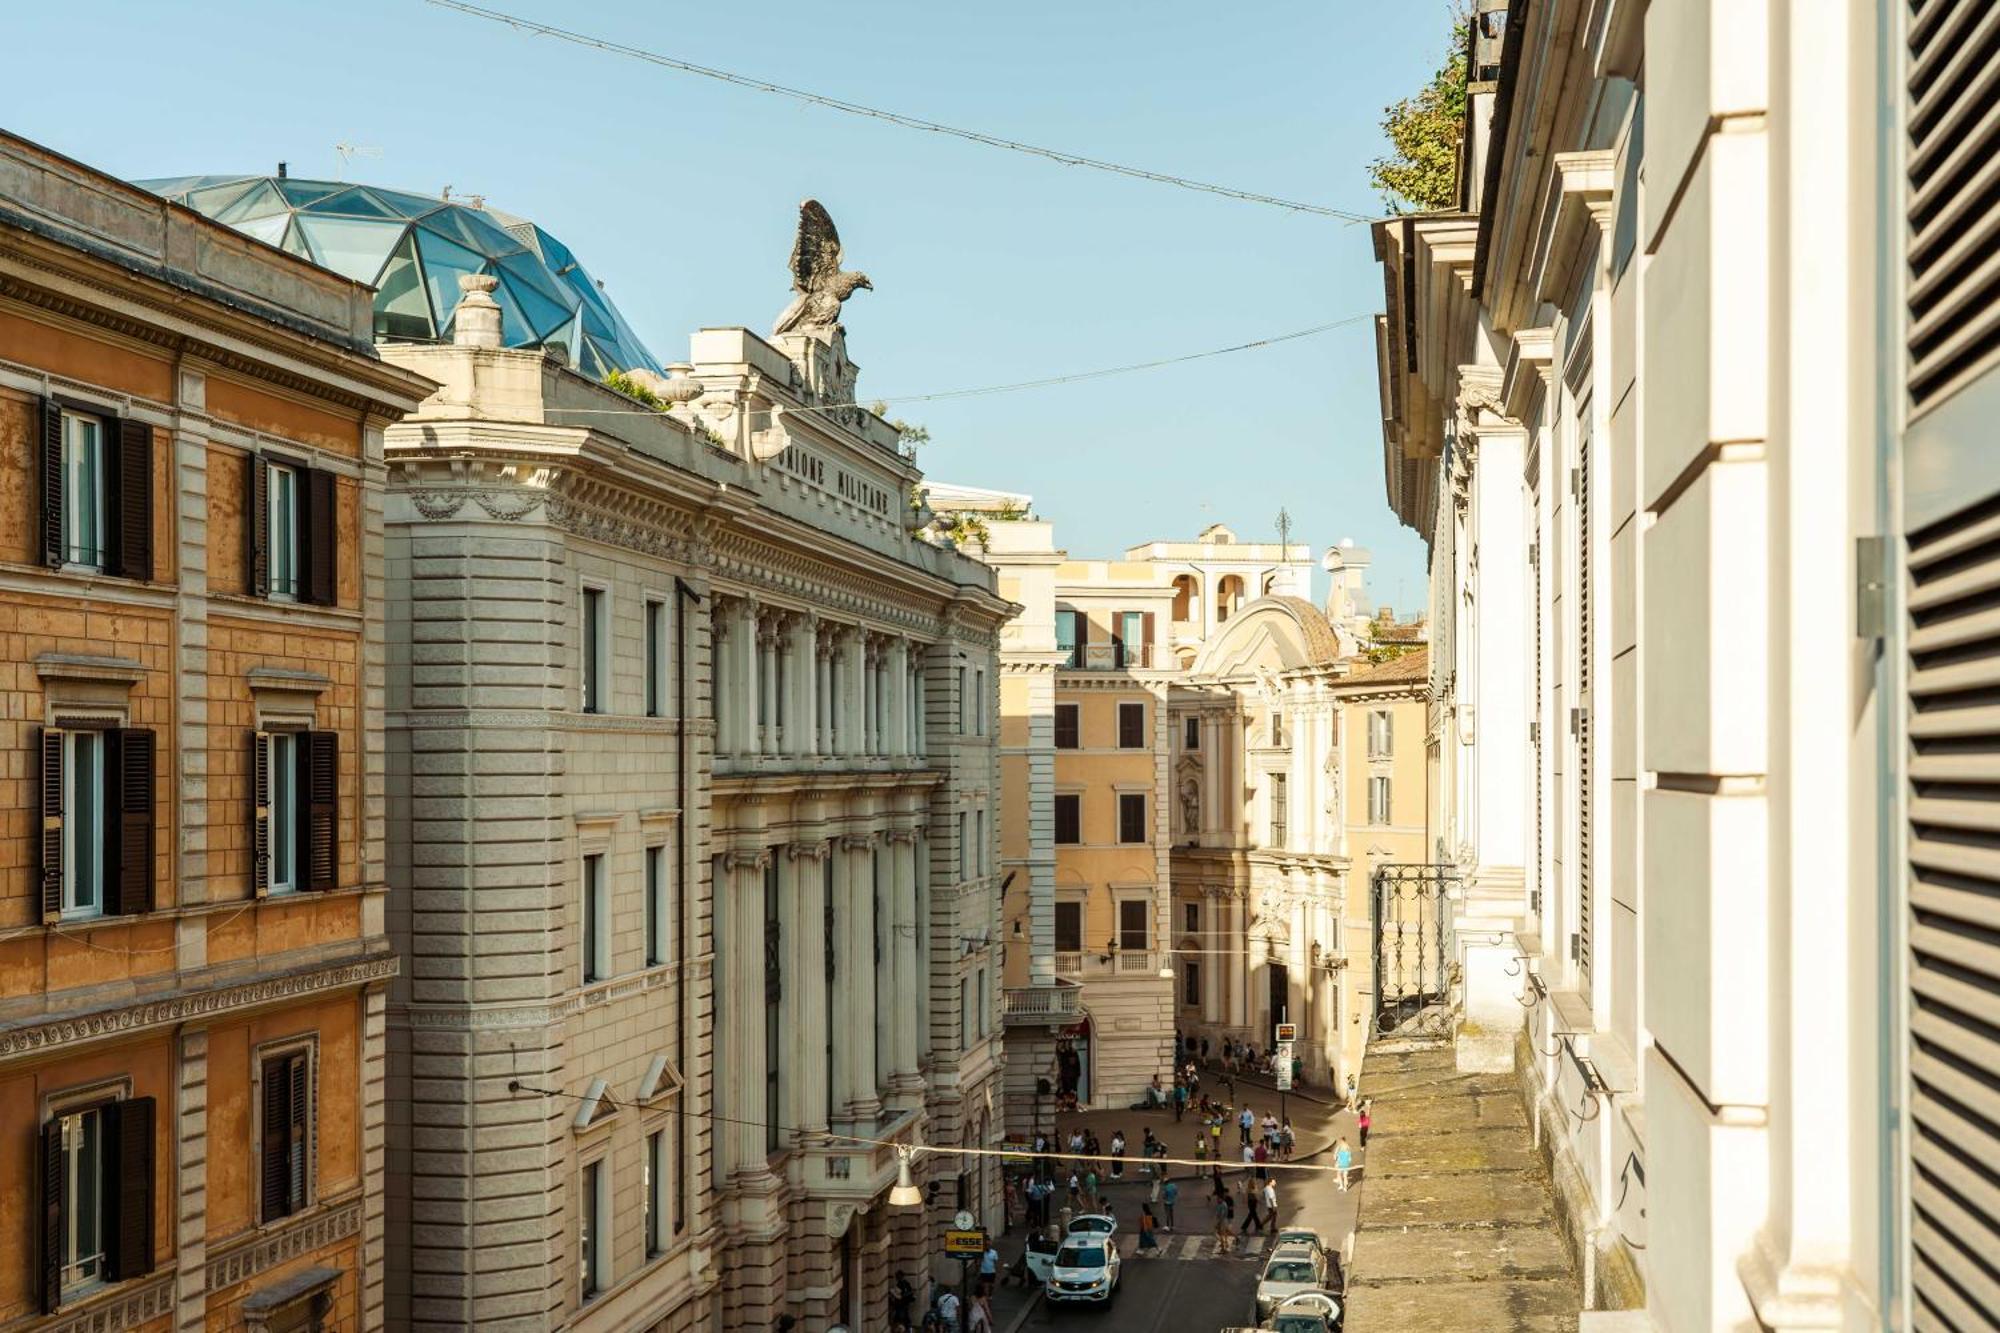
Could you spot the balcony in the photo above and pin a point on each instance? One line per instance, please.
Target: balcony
(1122, 963)
(1041, 1006)
(1114, 657)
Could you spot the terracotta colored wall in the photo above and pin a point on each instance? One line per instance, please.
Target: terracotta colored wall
(261, 410)
(232, 1167)
(20, 480)
(235, 646)
(148, 1065)
(227, 542)
(119, 367)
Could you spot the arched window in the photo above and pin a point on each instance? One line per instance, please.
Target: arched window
(1228, 597)
(1187, 600)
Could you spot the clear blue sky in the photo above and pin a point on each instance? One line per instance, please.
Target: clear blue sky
(682, 193)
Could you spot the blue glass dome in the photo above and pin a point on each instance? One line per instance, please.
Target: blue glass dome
(412, 248)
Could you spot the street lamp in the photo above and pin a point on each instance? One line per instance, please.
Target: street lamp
(905, 1194)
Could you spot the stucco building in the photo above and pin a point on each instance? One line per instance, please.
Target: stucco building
(693, 762)
(1298, 769)
(1688, 398)
(192, 871)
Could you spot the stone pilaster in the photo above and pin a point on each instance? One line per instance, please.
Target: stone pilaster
(903, 1075)
(190, 1127)
(856, 980)
(805, 985)
(374, 1153)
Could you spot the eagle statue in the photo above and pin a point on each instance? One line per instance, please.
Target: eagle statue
(816, 274)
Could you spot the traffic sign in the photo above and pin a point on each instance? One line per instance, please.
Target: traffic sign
(1281, 1062)
(1287, 1032)
(965, 1242)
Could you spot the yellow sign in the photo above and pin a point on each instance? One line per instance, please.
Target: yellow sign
(965, 1242)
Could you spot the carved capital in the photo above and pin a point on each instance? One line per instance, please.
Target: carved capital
(807, 851)
(900, 835)
(856, 842)
(746, 860)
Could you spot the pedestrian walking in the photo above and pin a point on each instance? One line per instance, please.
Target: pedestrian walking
(1215, 1143)
(1362, 1122)
(1090, 1188)
(1149, 1244)
(1251, 1221)
(1244, 1120)
(1117, 1154)
(1262, 1156)
(1271, 1130)
(1221, 1209)
(989, 1270)
(1075, 1191)
(1180, 1100)
(1343, 1162)
(1271, 1202)
(1170, 1193)
(1287, 1140)
(1352, 1089)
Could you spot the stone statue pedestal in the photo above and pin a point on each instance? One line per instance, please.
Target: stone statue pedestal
(821, 356)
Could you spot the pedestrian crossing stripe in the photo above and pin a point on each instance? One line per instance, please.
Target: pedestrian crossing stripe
(1197, 1246)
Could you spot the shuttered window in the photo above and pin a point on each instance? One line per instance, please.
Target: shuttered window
(294, 811)
(1068, 726)
(96, 1198)
(1953, 169)
(97, 813)
(1069, 817)
(1586, 790)
(1131, 726)
(1135, 916)
(1954, 939)
(96, 492)
(1131, 817)
(291, 531)
(1069, 927)
(1280, 811)
(285, 1147)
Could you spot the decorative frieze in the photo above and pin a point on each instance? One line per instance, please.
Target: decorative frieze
(297, 1236)
(129, 1310)
(38, 1036)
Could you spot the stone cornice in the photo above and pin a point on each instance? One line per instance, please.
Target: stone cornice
(364, 384)
(124, 1309)
(41, 1035)
(295, 1236)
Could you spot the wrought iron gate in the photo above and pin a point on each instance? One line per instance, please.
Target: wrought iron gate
(1415, 957)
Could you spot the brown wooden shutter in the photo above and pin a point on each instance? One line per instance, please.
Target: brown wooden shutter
(130, 1232)
(319, 789)
(320, 543)
(52, 822)
(52, 1215)
(257, 526)
(133, 497)
(1146, 659)
(277, 1127)
(52, 484)
(260, 813)
(131, 766)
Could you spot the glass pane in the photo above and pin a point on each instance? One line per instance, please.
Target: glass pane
(283, 807)
(83, 1223)
(538, 314)
(349, 246)
(213, 199)
(402, 201)
(306, 192)
(257, 201)
(443, 263)
(270, 230)
(356, 202)
(402, 310)
(83, 823)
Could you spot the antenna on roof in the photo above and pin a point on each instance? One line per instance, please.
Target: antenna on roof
(349, 151)
(1284, 529)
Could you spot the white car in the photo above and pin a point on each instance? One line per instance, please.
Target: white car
(1290, 1271)
(1085, 1271)
(1093, 1224)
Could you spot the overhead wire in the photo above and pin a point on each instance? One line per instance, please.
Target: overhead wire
(1014, 386)
(846, 107)
(1056, 1151)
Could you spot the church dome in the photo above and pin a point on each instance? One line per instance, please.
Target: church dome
(412, 248)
